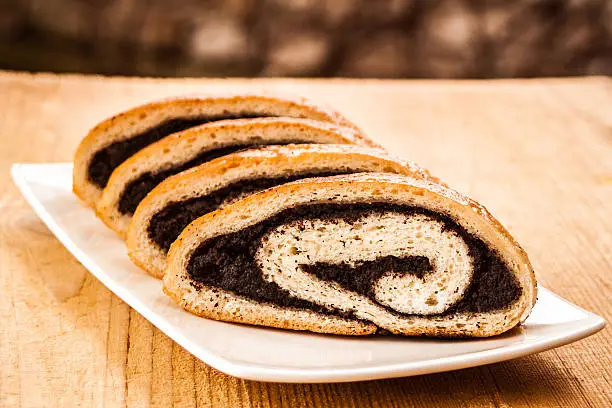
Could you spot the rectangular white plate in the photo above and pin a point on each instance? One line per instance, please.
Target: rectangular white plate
(275, 355)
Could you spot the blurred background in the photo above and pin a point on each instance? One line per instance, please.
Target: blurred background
(349, 38)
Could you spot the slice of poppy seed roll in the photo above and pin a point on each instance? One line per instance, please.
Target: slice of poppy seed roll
(115, 139)
(180, 199)
(354, 254)
(137, 176)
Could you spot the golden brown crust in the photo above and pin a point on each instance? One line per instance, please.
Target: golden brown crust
(370, 188)
(183, 146)
(270, 161)
(133, 121)
(238, 310)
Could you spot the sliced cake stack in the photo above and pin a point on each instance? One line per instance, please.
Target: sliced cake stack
(278, 212)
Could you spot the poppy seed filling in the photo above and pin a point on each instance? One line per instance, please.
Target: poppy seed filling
(228, 262)
(107, 159)
(167, 224)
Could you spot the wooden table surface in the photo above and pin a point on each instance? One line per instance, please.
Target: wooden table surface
(537, 153)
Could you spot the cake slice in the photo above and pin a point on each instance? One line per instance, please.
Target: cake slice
(180, 199)
(354, 254)
(115, 139)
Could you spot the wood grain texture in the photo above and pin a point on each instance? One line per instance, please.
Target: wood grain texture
(537, 153)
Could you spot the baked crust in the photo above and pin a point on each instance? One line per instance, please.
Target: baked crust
(235, 309)
(371, 187)
(270, 161)
(182, 146)
(136, 120)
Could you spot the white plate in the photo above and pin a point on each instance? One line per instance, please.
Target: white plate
(275, 355)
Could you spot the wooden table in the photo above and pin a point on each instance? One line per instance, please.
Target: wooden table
(538, 153)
